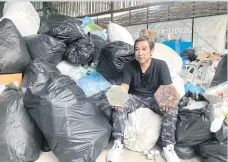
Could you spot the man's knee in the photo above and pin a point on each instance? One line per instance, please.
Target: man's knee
(119, 113)
(171, 114)
(170, 119)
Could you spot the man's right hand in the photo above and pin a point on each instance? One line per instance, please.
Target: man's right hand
(125, 86)
(116, 107)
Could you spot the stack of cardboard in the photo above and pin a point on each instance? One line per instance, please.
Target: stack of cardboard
(148, 33)
(6, 79)
(208, 56)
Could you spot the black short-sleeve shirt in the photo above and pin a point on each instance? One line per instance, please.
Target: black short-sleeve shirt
(146, 84)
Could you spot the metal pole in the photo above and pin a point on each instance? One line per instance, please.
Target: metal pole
(192, 30)
(97, 20)
(147, 17)
(129, 17)
(227, 32)
(193, 21)
(112, 9)
(1, 8)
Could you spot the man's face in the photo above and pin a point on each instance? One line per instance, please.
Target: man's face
(142, 51)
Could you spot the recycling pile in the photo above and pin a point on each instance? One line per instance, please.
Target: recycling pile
(54, 75)
(195, 133)
(41, 109)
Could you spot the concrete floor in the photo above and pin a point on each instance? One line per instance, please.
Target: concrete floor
(127, 156)
(131, 156)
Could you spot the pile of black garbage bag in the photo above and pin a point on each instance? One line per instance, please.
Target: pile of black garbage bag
(193, 135)
(20, 138)
(75, 129)
(60, 38)
(220, 73)
(113, 58)
(50, 112)
(14, 55)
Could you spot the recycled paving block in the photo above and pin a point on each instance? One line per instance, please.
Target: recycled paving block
(167, 96)
(117, 96)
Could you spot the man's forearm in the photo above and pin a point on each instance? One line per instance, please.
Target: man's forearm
(125, 86)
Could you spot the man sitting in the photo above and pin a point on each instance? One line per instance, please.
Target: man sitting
(141, 78)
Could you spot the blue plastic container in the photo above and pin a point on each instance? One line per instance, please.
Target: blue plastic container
(193, 88)
(93, 83)
(185, 59)
(178, 46)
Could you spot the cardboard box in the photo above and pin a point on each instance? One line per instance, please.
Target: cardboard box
(11, 78)
(208, 56)
(203, 56)
(148, 33)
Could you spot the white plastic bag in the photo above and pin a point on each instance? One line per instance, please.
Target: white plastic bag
(193, 105)
(74, 72)
(119, 33)
(178, 83)
(2, 88)
(24, 17)
(220, 112)
(142, 130)
(221, 89)
(168, 55)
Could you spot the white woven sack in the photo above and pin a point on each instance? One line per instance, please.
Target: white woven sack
(119, 33)
(24, 17)
(142, 130)
(168, 55)
(178, 83)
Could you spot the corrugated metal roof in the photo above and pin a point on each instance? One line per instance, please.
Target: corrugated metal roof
(138, 12)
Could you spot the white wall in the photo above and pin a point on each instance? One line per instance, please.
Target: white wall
(135, 30)
(209, 32)
(176, 29)
(211, 35)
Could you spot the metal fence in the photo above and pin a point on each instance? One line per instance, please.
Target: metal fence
(164, 12)
(134, 13)
(205, 33)
(39, 7)
(93, 8)
(1, 8)
(141, 14)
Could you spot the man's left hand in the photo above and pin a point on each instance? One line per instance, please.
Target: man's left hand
(166, 109)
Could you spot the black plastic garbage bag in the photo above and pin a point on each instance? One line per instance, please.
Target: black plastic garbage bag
(185, 153)
(190, 53)
(99, 43)
(213, 151)
(20, 138)
(80, 52)
(45, 146)
(77, 21)
(39, 71)
(220, 73)
(45, 47)
(101, 102)
(62, 27)
(76, 130)
(113, 58)
(193, 126)
(14, 55)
